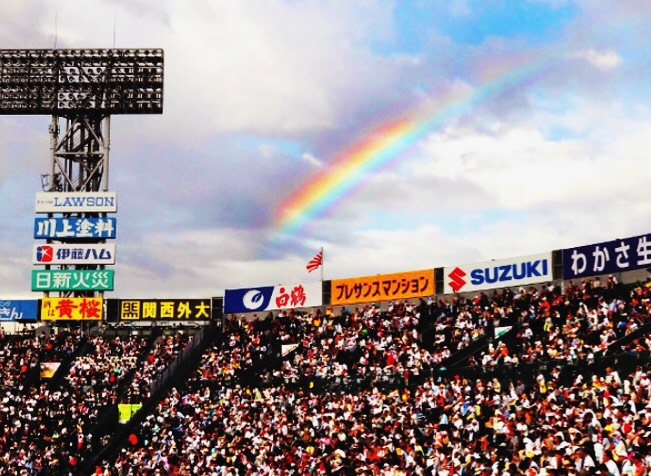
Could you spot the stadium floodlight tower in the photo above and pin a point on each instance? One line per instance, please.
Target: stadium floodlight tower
(80, 89)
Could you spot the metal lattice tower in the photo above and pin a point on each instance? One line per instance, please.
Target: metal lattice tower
(80, 89)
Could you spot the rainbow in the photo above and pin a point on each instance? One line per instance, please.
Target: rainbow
(323, 191)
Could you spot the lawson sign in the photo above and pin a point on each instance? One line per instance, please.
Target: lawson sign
(502, 273)
(68, 202)
(59, 253)
(272, 298)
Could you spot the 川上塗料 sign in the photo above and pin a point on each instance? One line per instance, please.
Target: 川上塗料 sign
(74, 227)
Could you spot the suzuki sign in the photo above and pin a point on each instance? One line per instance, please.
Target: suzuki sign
(502, 273)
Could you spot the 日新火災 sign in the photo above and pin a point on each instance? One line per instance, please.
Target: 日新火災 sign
(72, 280)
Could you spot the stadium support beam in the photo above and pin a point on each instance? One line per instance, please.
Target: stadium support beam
(80, 89)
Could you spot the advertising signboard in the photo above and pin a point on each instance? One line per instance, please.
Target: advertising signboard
(59, 253)
(383, 287)
(272, 298)
(499, 273)
(72, 279)
(18, 310)
(608, 257)
(72, 309)
(72, 202)
(160, 309)
(71, 228)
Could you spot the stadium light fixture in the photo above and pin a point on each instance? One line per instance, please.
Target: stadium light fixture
(81, 81)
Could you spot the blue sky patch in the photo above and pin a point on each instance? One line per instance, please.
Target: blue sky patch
(416, 21)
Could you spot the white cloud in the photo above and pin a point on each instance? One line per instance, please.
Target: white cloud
(602, 59)
(312, 160)
(507, 190)
(266, 67)
(520, 168)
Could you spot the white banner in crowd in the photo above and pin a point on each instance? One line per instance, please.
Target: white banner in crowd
(287, 348)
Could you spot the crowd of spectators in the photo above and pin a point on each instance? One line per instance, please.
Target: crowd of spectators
(343, 422)
(580, 323)
(29, 412)
(49, 429)
(165, 350)
(357, 391)
(21, 355)
(370, 344)
(445, 427)
(106, 366)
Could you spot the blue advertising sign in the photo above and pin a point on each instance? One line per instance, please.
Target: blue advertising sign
(271, 298)
(614, 256)
(18, 310)
(67, 228)
(247, 299)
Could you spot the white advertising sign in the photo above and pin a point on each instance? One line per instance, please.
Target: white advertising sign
(57, 253)
(502, 273)
(68, 202)
(272, 298)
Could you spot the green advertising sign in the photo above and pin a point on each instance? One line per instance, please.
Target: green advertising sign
(72, 280)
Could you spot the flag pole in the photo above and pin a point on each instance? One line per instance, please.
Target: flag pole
(323, 308)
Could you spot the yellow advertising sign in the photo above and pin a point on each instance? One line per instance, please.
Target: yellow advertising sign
(383, 287)
(164, 309)
(72, 309)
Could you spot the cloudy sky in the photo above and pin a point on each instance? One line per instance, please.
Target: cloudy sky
(397, 135)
